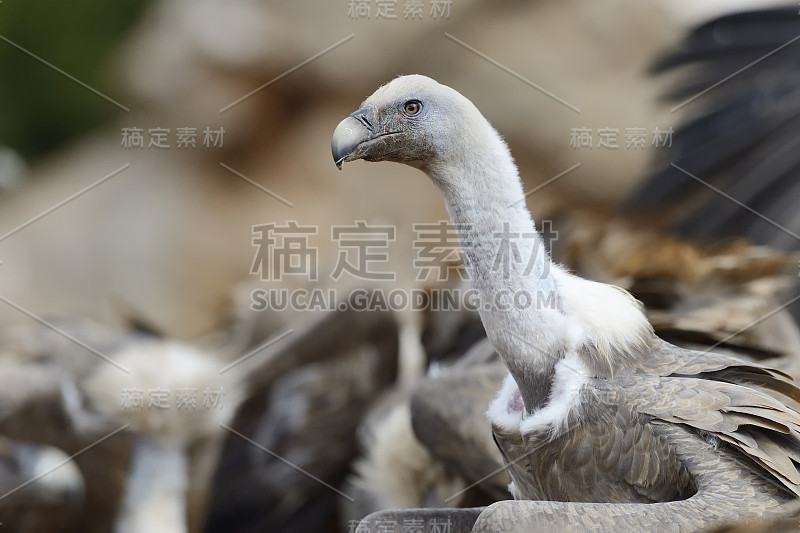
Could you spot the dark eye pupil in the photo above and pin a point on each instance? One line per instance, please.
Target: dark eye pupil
(412, 108)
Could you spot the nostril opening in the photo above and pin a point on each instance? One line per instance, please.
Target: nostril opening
(366, 122)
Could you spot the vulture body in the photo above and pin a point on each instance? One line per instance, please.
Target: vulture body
(276, 472)
(598, 415)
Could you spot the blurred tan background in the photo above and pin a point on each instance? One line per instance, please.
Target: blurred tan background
(168, 238)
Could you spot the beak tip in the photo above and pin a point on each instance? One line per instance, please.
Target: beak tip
(348, 135)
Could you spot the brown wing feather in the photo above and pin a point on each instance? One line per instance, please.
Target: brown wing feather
(611, 456)
(746, 405)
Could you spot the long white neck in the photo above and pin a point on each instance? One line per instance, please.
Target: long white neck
(534, 312)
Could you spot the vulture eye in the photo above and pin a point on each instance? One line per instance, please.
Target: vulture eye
(412, 107)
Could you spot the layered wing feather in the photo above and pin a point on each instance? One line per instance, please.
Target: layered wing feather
(746, 405)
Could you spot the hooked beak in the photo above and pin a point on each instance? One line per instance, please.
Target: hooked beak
(352, 132)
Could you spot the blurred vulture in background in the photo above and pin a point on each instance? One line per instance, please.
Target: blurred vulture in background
(296, 432)
(144, 420)
(133, 412)
(733, 170)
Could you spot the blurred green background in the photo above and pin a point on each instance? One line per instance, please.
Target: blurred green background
(41, 109)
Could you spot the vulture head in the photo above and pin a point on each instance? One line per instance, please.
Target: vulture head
(413, 120)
